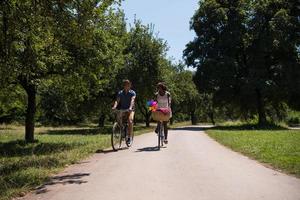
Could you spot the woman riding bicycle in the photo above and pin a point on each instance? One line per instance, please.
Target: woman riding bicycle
(163, 99)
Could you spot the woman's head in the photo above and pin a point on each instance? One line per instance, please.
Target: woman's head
(161, 87)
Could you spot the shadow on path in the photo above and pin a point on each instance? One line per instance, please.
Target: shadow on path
(63, 180)
(110, 150)
(149, 149)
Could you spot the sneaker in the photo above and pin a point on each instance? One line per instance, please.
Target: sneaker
(166, 142)
(128, 141)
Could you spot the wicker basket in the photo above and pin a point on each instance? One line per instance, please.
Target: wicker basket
(159, 116)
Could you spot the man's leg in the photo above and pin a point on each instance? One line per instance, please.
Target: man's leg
(130, 123)
(119, 117)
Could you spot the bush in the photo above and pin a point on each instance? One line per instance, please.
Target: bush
(294, 121)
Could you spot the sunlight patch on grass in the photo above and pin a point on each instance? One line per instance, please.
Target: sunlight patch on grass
(278, 148)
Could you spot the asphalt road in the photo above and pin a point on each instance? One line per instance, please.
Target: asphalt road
(192, 167)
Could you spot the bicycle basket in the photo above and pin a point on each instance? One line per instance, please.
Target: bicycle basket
(159, 116)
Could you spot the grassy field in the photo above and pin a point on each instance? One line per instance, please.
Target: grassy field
(25, 166)
(275, 146)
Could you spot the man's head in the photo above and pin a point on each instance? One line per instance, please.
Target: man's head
(126, 85)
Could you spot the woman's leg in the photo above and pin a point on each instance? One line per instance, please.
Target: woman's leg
(157, 126)
(166, 130)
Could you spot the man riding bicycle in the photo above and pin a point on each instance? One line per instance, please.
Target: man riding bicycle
(125, 101)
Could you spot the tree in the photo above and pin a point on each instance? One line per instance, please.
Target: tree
(46, 38)
(145, 55)
(88, 95)
(186, 98)
(244, 53)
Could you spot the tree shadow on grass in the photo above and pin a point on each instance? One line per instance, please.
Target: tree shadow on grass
(188, 128)
(21, 148)
(63, 180)
(246, 127)
(82, 131)
(87, 131)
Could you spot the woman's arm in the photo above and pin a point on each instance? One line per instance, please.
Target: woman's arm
(169, 100)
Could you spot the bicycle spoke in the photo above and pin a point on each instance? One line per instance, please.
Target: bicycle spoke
(116, 137)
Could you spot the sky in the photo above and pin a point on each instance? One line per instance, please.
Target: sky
(170, 19)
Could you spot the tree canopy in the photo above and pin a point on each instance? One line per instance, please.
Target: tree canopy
(247, 54)
(62, 62)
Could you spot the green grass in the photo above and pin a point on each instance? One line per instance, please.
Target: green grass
(275, 146)
(24, 166)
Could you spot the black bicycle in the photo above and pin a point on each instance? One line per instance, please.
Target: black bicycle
(120, 131)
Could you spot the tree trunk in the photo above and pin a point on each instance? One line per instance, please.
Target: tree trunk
(30, 112)
(262, 119)
(101, 120)
(193, 118)
(171, 121)
(147, 120)
(145, 113)
(134, 121)
(211, 116)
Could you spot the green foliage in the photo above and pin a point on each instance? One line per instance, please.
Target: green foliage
(12, 108)
(47, 40)
(246, 54)
(145, 57)
(293, 118)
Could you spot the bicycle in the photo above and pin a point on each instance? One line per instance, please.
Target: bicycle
(160, 118)
(120, 131)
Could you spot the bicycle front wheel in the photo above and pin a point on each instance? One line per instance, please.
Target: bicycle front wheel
(116, 137)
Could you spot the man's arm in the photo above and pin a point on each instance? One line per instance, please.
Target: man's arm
(132, 102)
(116, 103)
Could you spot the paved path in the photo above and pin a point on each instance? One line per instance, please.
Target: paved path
(192, 167)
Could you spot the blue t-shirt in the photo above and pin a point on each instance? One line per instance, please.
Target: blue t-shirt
(125, 99)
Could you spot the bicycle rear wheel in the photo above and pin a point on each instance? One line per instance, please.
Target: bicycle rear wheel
(116, 137)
